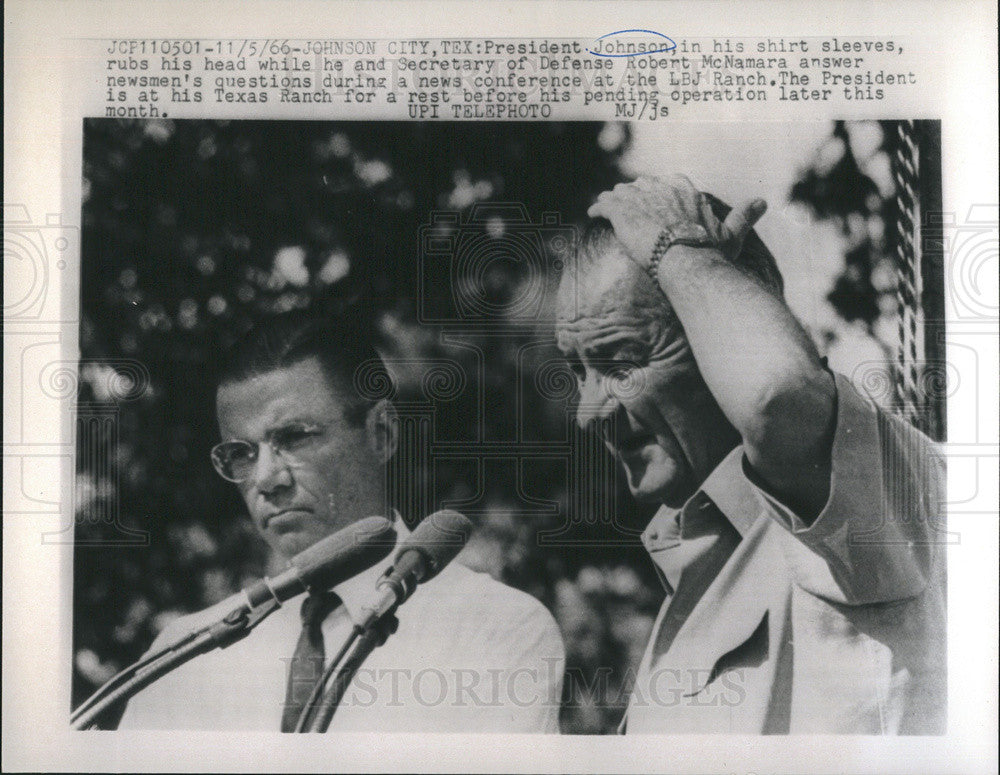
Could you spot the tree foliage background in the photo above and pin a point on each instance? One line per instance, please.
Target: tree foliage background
(193, 230)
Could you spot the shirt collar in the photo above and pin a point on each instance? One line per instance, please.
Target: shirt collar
(730, 491)
(727, 488)
(358, 590)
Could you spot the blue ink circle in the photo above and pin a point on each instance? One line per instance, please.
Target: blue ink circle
(667, 48)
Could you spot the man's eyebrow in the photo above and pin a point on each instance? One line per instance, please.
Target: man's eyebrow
(290, 422)
(295, 420)
(587, 323)
(615, 342)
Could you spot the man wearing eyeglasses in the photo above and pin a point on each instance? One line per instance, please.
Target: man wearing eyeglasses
(309, 455)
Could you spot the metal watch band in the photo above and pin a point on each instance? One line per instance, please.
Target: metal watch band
(665, 241)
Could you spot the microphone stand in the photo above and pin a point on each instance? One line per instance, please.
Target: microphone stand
(341, 671)
(317, 690)
(234, 627)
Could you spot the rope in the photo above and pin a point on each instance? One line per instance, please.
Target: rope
(905, 167)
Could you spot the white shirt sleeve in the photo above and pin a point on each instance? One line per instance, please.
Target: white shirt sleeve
(880, 531)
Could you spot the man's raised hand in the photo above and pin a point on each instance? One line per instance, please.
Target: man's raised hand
(639, 211)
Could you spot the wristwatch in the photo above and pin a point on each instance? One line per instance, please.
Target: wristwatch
(691, 234)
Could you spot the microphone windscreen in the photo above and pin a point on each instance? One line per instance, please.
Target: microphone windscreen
(438, 538)
(346, 553)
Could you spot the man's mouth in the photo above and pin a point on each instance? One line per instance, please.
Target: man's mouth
(633, 444)
(284, 515)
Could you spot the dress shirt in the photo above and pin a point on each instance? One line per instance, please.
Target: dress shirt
(772, 625)
(470, 655)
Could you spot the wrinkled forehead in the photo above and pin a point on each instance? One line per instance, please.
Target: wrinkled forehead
(299, 392)
(610, 291)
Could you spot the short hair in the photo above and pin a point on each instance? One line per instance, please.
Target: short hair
(599, 238)
(342, 342)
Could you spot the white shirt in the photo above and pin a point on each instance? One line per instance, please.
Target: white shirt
(775, 626)
(470, 655)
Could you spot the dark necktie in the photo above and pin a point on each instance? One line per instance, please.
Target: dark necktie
(308, 661)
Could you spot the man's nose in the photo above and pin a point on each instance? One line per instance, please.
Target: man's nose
(596, 402)
(271, 474)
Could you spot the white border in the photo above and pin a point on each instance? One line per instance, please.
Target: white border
(42, 166)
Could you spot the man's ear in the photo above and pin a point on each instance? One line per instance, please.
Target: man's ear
(382, 426)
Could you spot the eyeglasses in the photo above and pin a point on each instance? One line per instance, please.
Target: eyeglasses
(236, 460)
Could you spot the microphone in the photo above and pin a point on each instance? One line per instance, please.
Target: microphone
(328, 562)
(433, 545)
(325, 564)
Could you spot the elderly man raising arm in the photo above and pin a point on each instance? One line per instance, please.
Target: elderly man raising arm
(797, 529)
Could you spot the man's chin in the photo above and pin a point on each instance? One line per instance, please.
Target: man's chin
(660, 487)
(292, 542)
(647, 496)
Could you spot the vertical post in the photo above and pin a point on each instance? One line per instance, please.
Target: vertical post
(932, 280)
(920, 375)
(905, 168)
